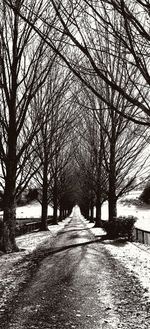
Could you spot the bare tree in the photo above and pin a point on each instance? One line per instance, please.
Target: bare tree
(83, 24)
(114, 124)
(24, 68)
(57, 105)
(88, 25)
(62, 156)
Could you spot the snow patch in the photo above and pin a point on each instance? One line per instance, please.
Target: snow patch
(134, 256)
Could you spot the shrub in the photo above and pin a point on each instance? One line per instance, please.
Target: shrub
(145, 195)
(20, 229)
(32, 195)
(120, 227)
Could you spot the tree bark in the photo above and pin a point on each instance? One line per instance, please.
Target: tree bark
(55, 201)
(99, 182)
(112, 204)
(44, 226)
(92, 213)
(9, 225)
(98, 210)
(9, 215)
(55, 213)
(112, 200)
(91, 207)
(61, 213)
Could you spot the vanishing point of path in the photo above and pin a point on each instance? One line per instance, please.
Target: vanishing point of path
(78, 284)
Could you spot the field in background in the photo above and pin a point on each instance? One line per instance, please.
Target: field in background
(30, 212)
(142, 212)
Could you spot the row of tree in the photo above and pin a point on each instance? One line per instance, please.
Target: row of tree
(74, 102)
(37, 117)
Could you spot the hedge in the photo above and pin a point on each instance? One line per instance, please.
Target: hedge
(120, 227)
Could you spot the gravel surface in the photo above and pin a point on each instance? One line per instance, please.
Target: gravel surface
(134, 256)
(16, 268)
(78, 282)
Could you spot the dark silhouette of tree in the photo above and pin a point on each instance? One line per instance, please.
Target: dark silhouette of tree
(24, 68)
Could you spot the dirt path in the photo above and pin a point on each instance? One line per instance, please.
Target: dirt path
(78, 284)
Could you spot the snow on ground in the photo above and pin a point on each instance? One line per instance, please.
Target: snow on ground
(134, 256)
(12, 270)
(29, 242)
(141, 212)
(32, 210)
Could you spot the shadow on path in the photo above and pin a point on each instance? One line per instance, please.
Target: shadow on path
(73, 230)
(71, 246)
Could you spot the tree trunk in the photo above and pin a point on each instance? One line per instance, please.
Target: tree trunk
(98, 211)
(44, 226)
(55, 212)
(112, 200)
(9, 225)
(55, 201)
(92, 213)
(9, 215)
(61, 213)
(87, 211)
(112, 204)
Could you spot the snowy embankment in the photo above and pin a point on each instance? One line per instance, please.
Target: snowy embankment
(141, 212)
(32, 210)
(135, 257)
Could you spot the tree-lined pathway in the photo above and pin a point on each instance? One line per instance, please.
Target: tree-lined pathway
(79, 285)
